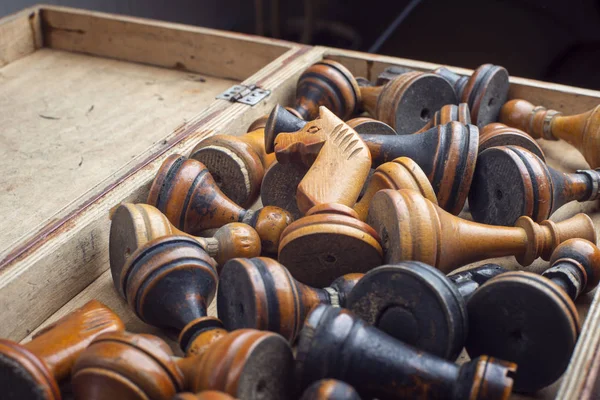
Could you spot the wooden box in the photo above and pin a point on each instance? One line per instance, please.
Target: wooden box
(92, 103)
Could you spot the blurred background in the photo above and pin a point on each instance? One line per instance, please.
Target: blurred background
(557, 41)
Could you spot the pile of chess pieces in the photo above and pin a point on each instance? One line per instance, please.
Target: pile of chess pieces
(344, 284)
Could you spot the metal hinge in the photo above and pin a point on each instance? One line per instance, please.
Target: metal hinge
(250, 94)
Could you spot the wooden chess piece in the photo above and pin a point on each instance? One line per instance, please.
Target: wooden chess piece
(135, 224)
(338, 159)
(261, 122)
(34, 369)
(408, 102)
(414, 303)
(510, 182)
(446, 153)
(413, 228)
(334, 343)
(330, 84)
(186, 193)
(531, 319)
(581, 130)
(205, 395)
(497, 134)
(330, 241)
(468, 281)
(401, 173)
(448, 113)
(330, 389)
(365, 125)
(168, 283)
(260, 293)
(279, 187)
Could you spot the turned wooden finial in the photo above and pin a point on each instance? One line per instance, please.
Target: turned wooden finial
(135, 224)
(409, 101)
(333, 338)
(186, 193)
(339, 161)
(401, 173)
(497, 134)
(330, 389)
(237, 164)
(581, 130)
(413, 228)
(446, 154)
(330, 84)
(261, 293)
(449, 113)
(330, 241)
(510, 182)
(33, 370)
(416, 304)
(111, 368)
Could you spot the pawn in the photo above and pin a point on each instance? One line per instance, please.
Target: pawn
(169, 283)
(485, 91)
(336, 344)
(338, 161)
(260, 293)
(409, 101)
(401, 173)
(497, 134)
(581, 130)
(531, 319)
(413, 228)
(135, 224)
(446, 153)
(186, 193)
(330, 389)
(414, 303)
(510, 182)
(449, 113)
(330, 241)
(33, 370)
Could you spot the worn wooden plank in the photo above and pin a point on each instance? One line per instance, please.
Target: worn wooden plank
(20, 35)
(68, 254)
(201, 50)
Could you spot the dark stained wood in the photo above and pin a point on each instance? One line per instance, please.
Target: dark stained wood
(338, 161)
(413, 228)
(260, 293)
(581, 130)
(330, 241)
(497, 134)
(133, 225)
(279, 187)
(330, 389)
(449, 113)
(333, 338)
(33, 370)
(187, 194)
(510, 182)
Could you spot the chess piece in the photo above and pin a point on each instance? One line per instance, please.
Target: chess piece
(168, 283)
(336, 344)
(413, 228)
(446, 153)
(261, 122)
(186, 193)
(401, 173)
(409, 101)
(330, 84)
(260, 293)
(531, 319)
(279, 187)
(330, 389)
(135, 224)
(497, 134)
(414, 303)
(449, 113)
(205, 395)
(34, 369)
(338, 159)
(330, 241)
(581, 130)
(510, 182)
(364, 125)
(468, 281)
